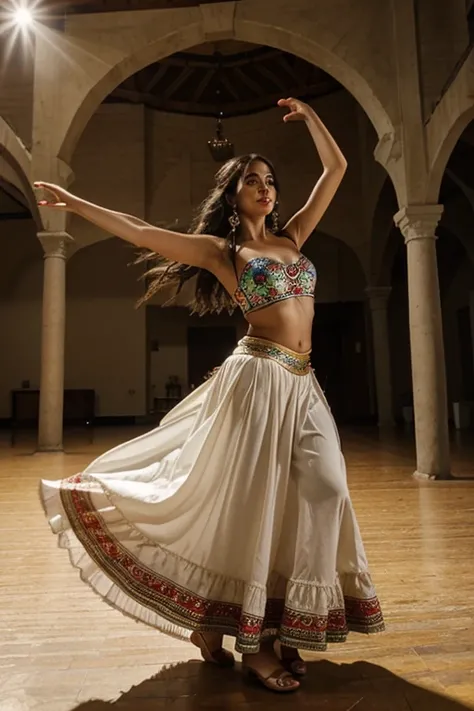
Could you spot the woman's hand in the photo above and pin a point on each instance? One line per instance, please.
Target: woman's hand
(298, 110)
(59, 198)
(304, 222)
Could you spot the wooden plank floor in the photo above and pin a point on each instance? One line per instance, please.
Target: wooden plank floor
(62, 649)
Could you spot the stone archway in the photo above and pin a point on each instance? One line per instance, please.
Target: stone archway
(458, 216)
(20, 267)
(113, 54)
(84, 63)
(445, 149)
(109, 267)
(15, 167)
(445, 127)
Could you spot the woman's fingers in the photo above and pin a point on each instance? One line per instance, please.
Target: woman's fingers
(45, 203)
(49, 188)
(295, 113)
(293, 116)
(45, 186)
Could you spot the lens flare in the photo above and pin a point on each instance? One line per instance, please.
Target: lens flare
(23, 17)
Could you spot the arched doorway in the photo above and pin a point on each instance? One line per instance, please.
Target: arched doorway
(20, 272)
(113, 60)
(340, 355)
(115, 53)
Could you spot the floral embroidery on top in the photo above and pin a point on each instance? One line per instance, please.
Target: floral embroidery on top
(265, 281)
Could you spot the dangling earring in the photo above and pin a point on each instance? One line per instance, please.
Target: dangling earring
(275, 219)
(234, 220)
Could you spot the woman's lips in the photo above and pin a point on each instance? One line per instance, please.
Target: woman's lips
(265, 201)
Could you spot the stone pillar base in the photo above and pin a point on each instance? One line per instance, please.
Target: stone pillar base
(433, 477)
(47, 449)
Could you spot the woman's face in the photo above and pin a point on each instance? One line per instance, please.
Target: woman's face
(256, 192)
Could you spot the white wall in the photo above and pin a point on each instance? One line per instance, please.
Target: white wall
(109, 165)
(105, 351)
(105, 333)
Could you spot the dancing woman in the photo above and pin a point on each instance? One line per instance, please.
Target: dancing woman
(233, 517)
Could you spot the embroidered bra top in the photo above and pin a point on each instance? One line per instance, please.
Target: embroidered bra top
(265, 281)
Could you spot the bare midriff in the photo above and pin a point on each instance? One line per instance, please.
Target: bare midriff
(288, 323)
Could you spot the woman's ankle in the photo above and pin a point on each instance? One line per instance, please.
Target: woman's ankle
(289, 651)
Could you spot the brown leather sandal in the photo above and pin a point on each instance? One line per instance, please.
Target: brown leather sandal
(294, 664)
(276, 681)
(221, 657)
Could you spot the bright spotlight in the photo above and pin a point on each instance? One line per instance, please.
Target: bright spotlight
(23, 17)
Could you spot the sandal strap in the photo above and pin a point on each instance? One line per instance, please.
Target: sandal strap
(279, 675)
(220, 655)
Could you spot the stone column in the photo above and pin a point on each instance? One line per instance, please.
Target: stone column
(418, 225)
(50, 435)
(378, 302)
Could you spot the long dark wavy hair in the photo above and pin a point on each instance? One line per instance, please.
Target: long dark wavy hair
(212, 217)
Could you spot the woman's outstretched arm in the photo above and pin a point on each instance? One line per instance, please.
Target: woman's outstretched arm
(203, 251)
(302, 224)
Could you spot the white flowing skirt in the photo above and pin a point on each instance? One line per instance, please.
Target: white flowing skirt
(232, 516)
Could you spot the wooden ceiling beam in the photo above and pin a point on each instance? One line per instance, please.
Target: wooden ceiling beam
(162, 68)
(209, 60)
(174, 86)
(264, 71)
(201, 86)
(283, 61)
(230, 108)
(226, 82)
(253, 85)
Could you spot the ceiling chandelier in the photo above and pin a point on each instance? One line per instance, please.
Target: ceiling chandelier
(220, 147)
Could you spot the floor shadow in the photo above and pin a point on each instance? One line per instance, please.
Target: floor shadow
(359, 686)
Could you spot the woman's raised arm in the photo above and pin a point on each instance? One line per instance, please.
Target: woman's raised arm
(203, 251)
(302, 224)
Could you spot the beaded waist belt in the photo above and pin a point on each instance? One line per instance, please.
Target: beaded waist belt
(296, 363)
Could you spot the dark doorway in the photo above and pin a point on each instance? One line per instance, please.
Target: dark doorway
(207, 348)
(339, 359)
(465, 351)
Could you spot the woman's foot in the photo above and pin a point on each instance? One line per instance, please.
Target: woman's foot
(267, 668)
(292, 661)
(210, 644)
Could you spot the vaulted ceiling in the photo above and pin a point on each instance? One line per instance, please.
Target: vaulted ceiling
(228, 77)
